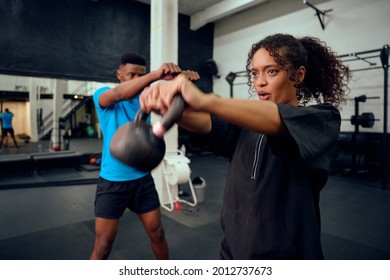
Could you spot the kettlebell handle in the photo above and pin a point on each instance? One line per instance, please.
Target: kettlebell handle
(140, 116)
(173, 114)
(168, 120)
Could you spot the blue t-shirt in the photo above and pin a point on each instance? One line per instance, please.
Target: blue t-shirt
(6, 119)
(110, 119)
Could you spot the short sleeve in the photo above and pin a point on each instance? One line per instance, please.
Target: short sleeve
(310, 132)
(96, 96)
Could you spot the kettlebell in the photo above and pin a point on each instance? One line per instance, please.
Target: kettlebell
(141, 145)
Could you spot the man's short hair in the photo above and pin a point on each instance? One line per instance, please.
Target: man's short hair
(133, 58)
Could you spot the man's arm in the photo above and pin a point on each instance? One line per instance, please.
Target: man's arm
(129, 89)
(125, 90)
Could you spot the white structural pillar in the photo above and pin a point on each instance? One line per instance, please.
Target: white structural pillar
(164, 48)
(59, 88)
(33, 97)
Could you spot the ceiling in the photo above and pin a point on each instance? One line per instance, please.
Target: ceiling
(205, 11)
(202, 12)
(190, 7)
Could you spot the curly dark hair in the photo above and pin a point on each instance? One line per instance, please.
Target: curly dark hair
(326, 77)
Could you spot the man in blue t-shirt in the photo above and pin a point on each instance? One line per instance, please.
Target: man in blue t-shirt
(121, 186)
(6, 127)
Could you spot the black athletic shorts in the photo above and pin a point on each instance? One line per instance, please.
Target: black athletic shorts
(5, 131)
(112, 198)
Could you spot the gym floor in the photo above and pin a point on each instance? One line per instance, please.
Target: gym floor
(49, 216)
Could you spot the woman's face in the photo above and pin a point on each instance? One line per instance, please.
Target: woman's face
(271, 81)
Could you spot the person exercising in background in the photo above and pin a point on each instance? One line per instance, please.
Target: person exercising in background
(120, 186)
(6, 127)
(280, 147)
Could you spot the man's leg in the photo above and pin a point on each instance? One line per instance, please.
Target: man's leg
(13, 138)
(3, 136)
(153, 226)
(105, 232)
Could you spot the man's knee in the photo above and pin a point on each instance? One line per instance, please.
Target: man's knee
(157, 233)
(103, 247)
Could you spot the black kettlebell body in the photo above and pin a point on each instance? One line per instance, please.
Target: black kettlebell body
(135, 144)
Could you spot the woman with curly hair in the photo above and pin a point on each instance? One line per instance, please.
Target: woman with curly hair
(280, 146)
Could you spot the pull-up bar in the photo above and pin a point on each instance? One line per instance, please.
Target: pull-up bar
(359, 53)
(320, 14)
(362, 56)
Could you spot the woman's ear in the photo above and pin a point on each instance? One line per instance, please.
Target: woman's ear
(301, 74)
